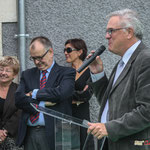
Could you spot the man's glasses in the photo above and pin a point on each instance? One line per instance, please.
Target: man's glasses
(69, 50)
(111, 30)
(39, 58)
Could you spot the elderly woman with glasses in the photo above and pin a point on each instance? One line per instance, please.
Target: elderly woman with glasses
(9, 114)
(75, 52)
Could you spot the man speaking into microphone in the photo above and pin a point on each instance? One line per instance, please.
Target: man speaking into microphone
(124, 98)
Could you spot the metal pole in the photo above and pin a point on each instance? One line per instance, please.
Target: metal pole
(22, 34)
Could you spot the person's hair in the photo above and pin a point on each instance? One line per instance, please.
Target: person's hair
(129, 18)
(43, 40)
(12, 62)
(78, 44)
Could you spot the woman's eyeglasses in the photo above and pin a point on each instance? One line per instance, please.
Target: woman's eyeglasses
(69, 50)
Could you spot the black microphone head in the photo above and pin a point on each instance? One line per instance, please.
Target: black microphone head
(101, 50)
(103, 47)
(87, 62)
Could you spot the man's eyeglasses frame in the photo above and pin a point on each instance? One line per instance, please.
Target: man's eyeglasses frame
(39, 58)
(111, 30)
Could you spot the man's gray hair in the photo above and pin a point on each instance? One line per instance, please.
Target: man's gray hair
(129, 18)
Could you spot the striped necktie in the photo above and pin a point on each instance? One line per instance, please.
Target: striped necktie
(34, 118)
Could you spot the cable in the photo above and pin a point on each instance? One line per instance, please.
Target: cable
(85, 143)
(102, 145)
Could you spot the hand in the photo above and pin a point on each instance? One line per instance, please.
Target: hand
(5, 132)
(3, 135)
(74, 102)
(86, 87)
(97, 129)
(77, 102)
(29, 94)
(97, 65)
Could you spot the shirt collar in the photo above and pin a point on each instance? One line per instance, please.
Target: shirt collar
(50, 68)
(129, 52)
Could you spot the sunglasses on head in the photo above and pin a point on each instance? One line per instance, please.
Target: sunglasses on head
(69, 50)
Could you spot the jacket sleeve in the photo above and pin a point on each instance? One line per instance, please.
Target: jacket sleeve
(83, 96)
(12, 124)
(63, 90)
(99, 88)
(21, 100)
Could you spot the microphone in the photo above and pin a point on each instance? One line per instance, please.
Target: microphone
(92, 58)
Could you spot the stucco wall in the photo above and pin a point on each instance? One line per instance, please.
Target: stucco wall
(7, 14)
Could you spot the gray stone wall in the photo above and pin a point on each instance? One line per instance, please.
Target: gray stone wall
(60, 20)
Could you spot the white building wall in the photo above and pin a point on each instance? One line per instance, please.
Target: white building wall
(8, 13)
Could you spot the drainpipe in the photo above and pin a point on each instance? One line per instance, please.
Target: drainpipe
(21, 34)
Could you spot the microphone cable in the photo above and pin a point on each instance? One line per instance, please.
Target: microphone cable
(86, 140)
(85, 122)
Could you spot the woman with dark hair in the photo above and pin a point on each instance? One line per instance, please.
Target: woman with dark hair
(75, 52)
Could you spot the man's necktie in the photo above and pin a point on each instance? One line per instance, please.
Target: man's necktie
(105, 114)
(34, 118)
(119, 70)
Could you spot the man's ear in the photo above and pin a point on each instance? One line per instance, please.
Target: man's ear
(130, 33)
(51, 51)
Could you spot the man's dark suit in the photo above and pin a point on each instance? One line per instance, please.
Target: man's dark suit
(129, 103)
(58, 89)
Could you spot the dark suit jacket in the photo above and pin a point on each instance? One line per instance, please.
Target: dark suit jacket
(58, 89)
(129, 103)
(11, 115)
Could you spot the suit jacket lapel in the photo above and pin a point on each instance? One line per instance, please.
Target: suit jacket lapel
(127, 67)
(111, 79)
(52, 76)
(37, 79)
(122, 75)
(109, 87)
